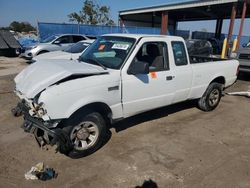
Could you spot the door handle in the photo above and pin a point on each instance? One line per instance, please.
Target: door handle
(169, 78)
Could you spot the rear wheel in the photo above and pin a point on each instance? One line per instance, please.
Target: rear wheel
(87, 134)
(211, 98)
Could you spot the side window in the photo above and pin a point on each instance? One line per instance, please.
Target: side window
(78, 38)
(179, 52)
(155, 54)
(64, 39)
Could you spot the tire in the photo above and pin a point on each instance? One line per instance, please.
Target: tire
(211, 98)
(87, 134)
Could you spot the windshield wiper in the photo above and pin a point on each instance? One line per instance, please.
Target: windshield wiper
(92, 61)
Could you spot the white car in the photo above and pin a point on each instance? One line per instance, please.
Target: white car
(72, 103)
(52, 43)
(71, 53)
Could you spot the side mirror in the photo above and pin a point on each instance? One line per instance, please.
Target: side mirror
(57, 42)
(138, 67)
(244, 45)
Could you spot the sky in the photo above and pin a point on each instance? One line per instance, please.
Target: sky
(57, 11)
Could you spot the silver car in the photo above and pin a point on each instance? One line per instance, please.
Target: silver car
(244, 58)
(71, 53)
(52, 43)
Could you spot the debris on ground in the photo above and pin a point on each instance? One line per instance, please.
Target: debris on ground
(241, 93)
(38, 172)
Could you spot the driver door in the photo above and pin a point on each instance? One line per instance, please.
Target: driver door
(142, 92)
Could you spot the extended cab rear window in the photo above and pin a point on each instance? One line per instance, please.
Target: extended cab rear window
(180, 56)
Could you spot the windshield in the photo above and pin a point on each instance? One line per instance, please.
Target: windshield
(108, 51)
(77, 48)
(49, 39)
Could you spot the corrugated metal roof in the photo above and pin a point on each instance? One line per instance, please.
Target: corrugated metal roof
(3, 44)
(9, 39)
(174, 5)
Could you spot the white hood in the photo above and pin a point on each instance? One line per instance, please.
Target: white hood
(40, 75)
(57, 55)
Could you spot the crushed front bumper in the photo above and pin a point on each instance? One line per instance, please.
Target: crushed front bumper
(44, 132)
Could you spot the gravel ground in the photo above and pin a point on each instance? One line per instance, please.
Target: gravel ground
(176, 146)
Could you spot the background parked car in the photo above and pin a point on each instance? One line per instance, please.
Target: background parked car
(52, 43)
(70, 53)
(244, 58)
(199, 47)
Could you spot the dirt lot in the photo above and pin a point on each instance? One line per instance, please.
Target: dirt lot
(177, 146)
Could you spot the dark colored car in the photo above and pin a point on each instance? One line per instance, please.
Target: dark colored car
(216, 44)
(199, 47)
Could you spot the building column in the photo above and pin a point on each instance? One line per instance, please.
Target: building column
(153, 19)
(164, 23)
(231, 27)
(219, 23)
(175, 27)
(243, 15)
(121, 25)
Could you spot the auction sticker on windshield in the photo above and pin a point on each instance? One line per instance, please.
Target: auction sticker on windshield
(120, 46)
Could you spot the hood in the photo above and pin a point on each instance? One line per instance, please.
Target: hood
(53, 55)
(42, 74)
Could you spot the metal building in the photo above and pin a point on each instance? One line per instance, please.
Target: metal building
(167, 16)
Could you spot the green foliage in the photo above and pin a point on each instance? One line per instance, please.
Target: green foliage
(92, 13)
(21, 26)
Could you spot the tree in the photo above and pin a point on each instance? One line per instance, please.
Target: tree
(92, 13)
(21, 26)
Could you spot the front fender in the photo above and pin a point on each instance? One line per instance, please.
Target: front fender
(62, 105)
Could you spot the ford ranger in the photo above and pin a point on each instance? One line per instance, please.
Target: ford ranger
(71, 103)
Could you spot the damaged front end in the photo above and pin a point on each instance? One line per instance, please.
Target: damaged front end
(45, 132)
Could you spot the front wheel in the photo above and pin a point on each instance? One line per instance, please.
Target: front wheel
(211, 98)
(87, 134)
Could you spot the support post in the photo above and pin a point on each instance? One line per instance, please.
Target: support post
(175, 27)
(243, 15)
(231, 26)
(164, 23)
(219, 23)
(153, 19)
(122, 25)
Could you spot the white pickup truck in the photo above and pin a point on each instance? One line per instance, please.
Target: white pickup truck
(72, 103)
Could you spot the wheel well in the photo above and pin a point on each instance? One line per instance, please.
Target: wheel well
(220, 80)
(99, 107)
(43, 51)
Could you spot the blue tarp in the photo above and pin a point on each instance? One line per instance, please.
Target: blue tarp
(28, 40)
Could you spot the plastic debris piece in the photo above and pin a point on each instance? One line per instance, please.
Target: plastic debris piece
(241, 93)
(48, 174)
(39, 167)
(31, 174)
(39, 172)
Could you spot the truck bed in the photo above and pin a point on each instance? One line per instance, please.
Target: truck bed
(203, 59)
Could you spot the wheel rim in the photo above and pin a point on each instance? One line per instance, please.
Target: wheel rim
(214, 97)
(84, 135)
